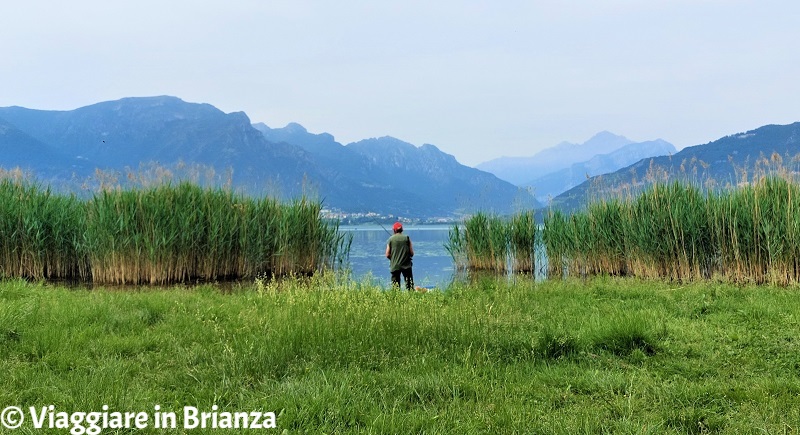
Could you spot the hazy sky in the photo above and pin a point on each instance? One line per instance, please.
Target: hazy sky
(479, 79)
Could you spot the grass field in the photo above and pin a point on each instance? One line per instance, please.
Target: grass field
(331, 356)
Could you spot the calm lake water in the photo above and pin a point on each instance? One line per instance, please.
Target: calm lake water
(433, 266)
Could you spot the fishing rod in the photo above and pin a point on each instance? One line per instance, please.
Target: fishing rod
(379, 224)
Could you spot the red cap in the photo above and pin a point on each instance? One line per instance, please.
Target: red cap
(397, 226)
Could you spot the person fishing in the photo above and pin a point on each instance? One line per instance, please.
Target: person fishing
(399, 252)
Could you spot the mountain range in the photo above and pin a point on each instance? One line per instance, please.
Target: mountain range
(381, 175)
(385, 176)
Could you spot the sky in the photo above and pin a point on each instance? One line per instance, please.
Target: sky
(478, 79)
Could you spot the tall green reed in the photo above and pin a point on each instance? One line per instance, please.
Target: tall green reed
(523, 239)
(488, 243)
(161, 235)
(676, 231)
(41, 234)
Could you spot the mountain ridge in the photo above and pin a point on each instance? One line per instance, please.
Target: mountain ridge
(392, 164)
(127, 133)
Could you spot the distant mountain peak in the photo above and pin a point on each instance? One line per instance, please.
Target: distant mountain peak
(160, 101)
(383, 143)
(294, 127)
(606, 135)
(392, 139)
(607, 141)
(154, 100)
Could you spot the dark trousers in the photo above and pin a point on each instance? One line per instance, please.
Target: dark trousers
(409, 277)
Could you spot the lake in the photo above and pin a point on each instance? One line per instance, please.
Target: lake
(433, 266)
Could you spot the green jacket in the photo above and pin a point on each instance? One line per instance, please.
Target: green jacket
(400, 252)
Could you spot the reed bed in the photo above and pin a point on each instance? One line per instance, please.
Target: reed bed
(490, 243)
(161, 235)
(523, 239)
(40, 233)
(486, 242)
(676, 231)
(456, 247)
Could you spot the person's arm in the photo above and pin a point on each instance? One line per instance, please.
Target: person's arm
(388, 252)
(410, 248)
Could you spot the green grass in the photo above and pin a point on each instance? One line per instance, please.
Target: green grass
(606, 355)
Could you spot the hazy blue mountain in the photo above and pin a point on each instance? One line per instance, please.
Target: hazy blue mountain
(343, 168)
(339, 162)
(19, 149)
(127, 133)
(724, 162)
(553, 184)
(287, 162)
(322, 144)
(520, 170)
(402, 179)
(429, 176)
